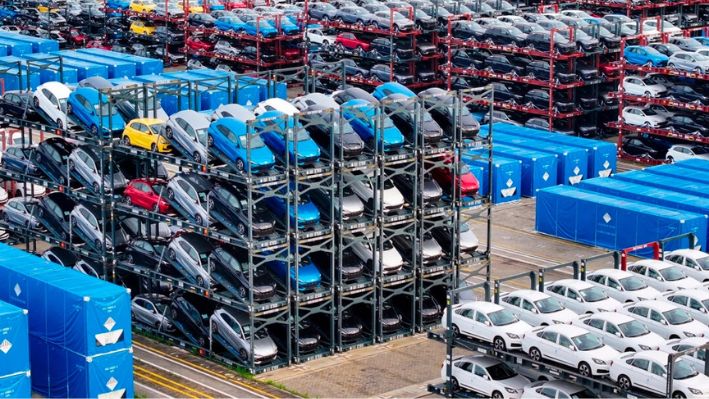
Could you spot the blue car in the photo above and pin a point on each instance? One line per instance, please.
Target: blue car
(118, 4)
(230, 23)
(309, 276)
(386, 89)
(703, 40)
(214, 5)
(6, 13)
(92, 109)
(229, 136)
(287, 26)
(308, 213)
(645, 55)
(279, 132)
(258, 26)
(361, 114)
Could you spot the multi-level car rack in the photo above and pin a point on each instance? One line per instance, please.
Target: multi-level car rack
(290, 310)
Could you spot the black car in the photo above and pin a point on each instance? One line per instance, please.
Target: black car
(61, 256)
(501, 64)
(146, 253)
(468, 59)
(687, 124)
(328, 130)
(231, 204)
(308, 336)
(351, 265)
(584, 42)
(384, 73)
(201, 19)
(636, 146)
(142, 228)
(425, 48)
(168, 57)
(665, 48)
(134, 170)
(163, 34)
(430, 312)
(19, 160)
(503, 93)
(351, 327)
(687, 94)
(539, 69)
(504, 34)
(353, 93)
(352, 68)
(542, 41)
(400, 109)
(587, 72)
(467, 30)
(385, 48)
(191, 319)
(233, 266)
(391, 320)
(441, 106)
(543, 124)
(18, 104)
(607, 39)
(51, 156)
(54, 213)
(539, 98)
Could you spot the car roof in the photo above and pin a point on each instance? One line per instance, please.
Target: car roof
(696, 293)
(532, 295)
(147, 121)
(692, 253)
(481, 306)
(58, 89)
(661, 306)
(615, 273)
(655, 356)
(654, 263)
(481, 360)
(614, 317)
(563, 385)
(200, 182)
(567, 330)
(694, 341)
(571, 283)
(192, 117)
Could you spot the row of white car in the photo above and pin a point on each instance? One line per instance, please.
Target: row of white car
(653, 308)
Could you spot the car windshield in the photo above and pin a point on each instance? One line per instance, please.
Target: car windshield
(501, 371)
(632, 283)
(399, 17)
(256, 141)
(584, 394)
(559, 38)
(683, 369)
(672, 274)
(677, 316)
(593, 294)
(549, 305)
(157, 128)
(158, 249)
(633, 328)
(502, 317)
(587, 342)
(201, 135)
(62, 104)
(649, 111)
(701, 150)
(387, 245)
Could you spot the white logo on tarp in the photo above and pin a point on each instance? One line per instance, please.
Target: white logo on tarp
(18, 290)
(545, 176)
(111, 384)
(607, 218)
(510, 183)
(606, 164)
(5, 346)
(604, 173)
(109, 324)
(577, 170)
(575, 179)
(508, 192)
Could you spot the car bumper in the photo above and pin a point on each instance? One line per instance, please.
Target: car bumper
(265, 358)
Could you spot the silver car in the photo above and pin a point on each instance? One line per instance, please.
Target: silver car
(85, 164)
(391, 258)
(173, 10)
(190, 191)
(224, 47)
(187, 130)
(689, 61)
(236, 329)
(190, 252)
(394, 20)
(20, 211)
(85, 221)
(152, 310)
(233, 111)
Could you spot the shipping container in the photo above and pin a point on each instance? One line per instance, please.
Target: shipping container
(4, 50)
(267, 88)
(506, 175)
(170, 102)
(245, 92)
(611, 222)
(572, 162)
(667, 182)
(83, 69)
(143, 65)
(14, 340)
(39, 44)
(47, 73)
(16, 48)
(694, 163)
(601, 155)
(696, 175)
(17, 385)
(17, 79)
(208, 91)
(116, 68)
(539, 169)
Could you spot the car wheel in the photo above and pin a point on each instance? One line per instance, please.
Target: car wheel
(240, 165)
(197, 157)
(678, 394)
(629, 350)
(171, 254)
(698, 70)
(670, 159)
(455, 386)
(96, 187)
(200, 281)
(585, 369)
(210, 141)
(497, 395)
(648, 94)
(199, 220)
(157, 325)
(243, 354)
(499, 344)
(242, 292)
(35, 101)
(535, 354)
(126, 141)
(202, 342)
(130, 259)
(671, 65)
(168, 132)
(624, 382)
(242, 229)
(69, 109)
(60, 125)
(97, 243)
(456, 331)
(153, 147)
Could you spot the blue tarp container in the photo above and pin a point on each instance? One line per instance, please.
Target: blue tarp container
(120, 81)
(47, 73)
(39, 45)
(539, 169)
(572, 162)
(18, 385)
(244, 91)
(601, 155)
(696, 175)
(208, 96)
(16, 79)
(611, 222)
(4, 50)
(14, 338)
(16, 48)
(116, 68)
(267, 89)
(143, 65)
(169, 102)
(506, 176)
(694, 163)
(665, 182)
(61, 373)
(83, 69)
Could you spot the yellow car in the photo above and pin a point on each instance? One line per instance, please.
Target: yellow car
(146, 133)
(195, 8)
(144, 28)
(144, 6)
(45, 9)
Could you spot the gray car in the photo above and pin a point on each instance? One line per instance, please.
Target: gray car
(152, 310)
(236, 329)
(85, 221)
(189, 191)
(394, 20)
(20, 211)
(85, 164)
(233, 111)
(173, 10)
(190, 252)
(689, 61)
(188, 131)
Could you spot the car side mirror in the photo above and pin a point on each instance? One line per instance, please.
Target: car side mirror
(535, 311)
(573, 348)
(486, 377)
(618, 334)
(664, 322)
(487, 323)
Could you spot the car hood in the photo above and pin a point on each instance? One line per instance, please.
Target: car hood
(468, 240)
(431, 129)
(262, 156)
(564, 316)
(306, 149)
(652, 340)
(517, 382)
(604, 353)
(306, 212)
(352, 204)
(392, 197)
(264, 347)
(518, 328)
(350, 140)
(430, 248)
(431, 189)
(608, 304)
(392, 136)
(307, 274)
(392, 258)
(686, 283)
(647, 293)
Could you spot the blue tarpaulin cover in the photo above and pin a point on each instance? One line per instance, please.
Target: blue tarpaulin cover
(696, 175)
(83, 69)
(694, 163)
(17, 385)
(143, 65)
(14, 340)
(116, 68)
(680, 185)
(539, 169)
(39, 44)
(506, 175)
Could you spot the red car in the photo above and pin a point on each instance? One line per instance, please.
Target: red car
(468, 186)
(98, 44)
(230, 5)
(610, 70)
(350, 41)
(75, 37)
(196, 44)
(145, 193)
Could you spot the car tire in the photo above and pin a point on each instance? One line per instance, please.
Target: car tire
(210, 141)
(242, 229)
(624, 382)
(455, 385)
(96, 188)
(199, 220)
(698, 70)
(170, 194)
(497, 395)
(678, 394)
(671, 65)
(130, 259)
(456, 331)
(240, 165)
(69, 109)
(97, 243)
(243, 354)
(60, 125)
(499, 344)
(647, 94)
(125, 141)
(197, 158)
(630, 350)
(168, 132)
(202, 342)
(585, 370)
(153, 147)
(535, 354)
(200, 282)
(171, 254)
(35, 101)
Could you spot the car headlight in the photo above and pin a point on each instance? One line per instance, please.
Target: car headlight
(602, 310)
(645, 347)
(513, 336)
(510, 390)
(695, 391)
(558, 322)
(689, 334)
(599, 361)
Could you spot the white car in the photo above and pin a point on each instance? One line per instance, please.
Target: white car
(640, 116)
(51, 99)
(308, 100)
(29, 189)
(703, 51)
(667, 319)
(511, 19)
(621, 332)
(582, 296)
(556, 389)
(277, 104)
(572, 346)
(681, 152)
(392, 261)
(640, 86)
(648, 370)
(651, 25)
(537, 308)
(696, 302)
(317, 36)
(697, 358)
(4, 197)
(689, 61)
(488, 322)
(391, 200)
(696, 263)
(233, 111)
(664, 276)
(485, 375)
(622, 285)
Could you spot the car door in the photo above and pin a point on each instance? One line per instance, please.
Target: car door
(481, 326)
(190, 260)
(612, 336)
(638, 372)
(657, 320)
(565, 351)
(465, 321)
(656, 379)
(481, 381)
(530, 312)
(547, 344)
(574, 301)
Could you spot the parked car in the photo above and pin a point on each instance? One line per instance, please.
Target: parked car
(552, 388)
(581, 296)
(18, 159)
(148, 194)
(233, 111)
(191, 319)
(53, 212)
(190, 192)
(140, 228)
(362, 117)
(393, 20)
(384, 73)
(399, 107)
(280, 132)
(542, 41)
(353, 15)
(51, 156)
(431, 251)
(648, 370)
(488, 322)
(307, 213)
(539, 98)
(695, 301)
(230, 136)
(22, 212)
(50, 99)
(621, 332)
(685, 93)
(696, 263)
(148, 253)
(441, 106)
(188, 129)
(146, 133)
(499, 63)
(227, 262)
(388, 49)
(666, 48)
(663, 276)
(231, 203)
(190, 252)
(639, 86)
(85, 164)
(94, 111)
(646, 117)
(484, 375)
(504, 34)
(467, 240)
(391, 200)
(306, 278)
(686, 43)
(668, 319)
(697, 358)
(84, 220)
(152, 310)
(392, 261)
(622, 285)
(537, 308)
(60, 256)
(685, 123)
(237, 330)
(18, 104)
(644, 55)
(331, 132)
